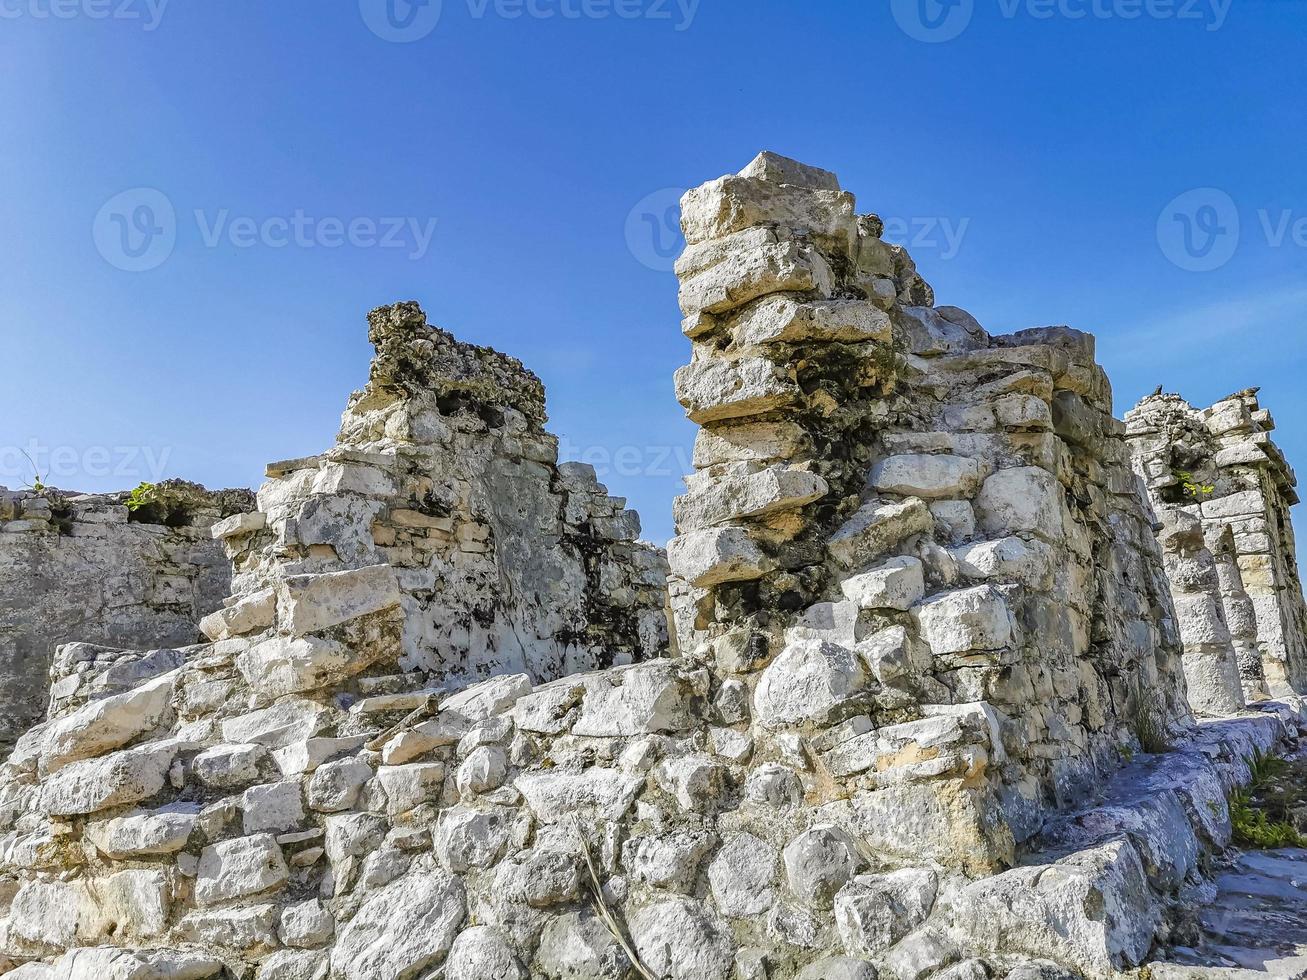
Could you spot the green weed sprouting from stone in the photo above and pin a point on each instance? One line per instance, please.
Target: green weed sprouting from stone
(1191, 488)
(1260, 811)
(142, 496)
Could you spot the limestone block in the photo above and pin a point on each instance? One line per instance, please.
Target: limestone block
(272, 808)
(119, 779)
(742, 876)
(107, 724)
(593, 794)
(408, 787)
(820, 862)
(426, 909)
(873, 912)
(238, 524)
(782, 170)
(229, 766)
(713, 390)
(283, 665)
(678, 939)
(780, 319)
(697, 781)
(306, 925)
(335, 786)
(1093, 911)
(239, 868)
(750, 273)
(309, 603)
(1009, 559)
(749, 442)
(636, 700)
(716, 555)
(669, 861)
(249, 614)
(928, 332)
(735, 497)
(1240, 504)
(481, 953)
(730, 204)
(977, 618)
(579, 945)
(152, 832)
(955, 520)
(284, 723)
(877, 527)
(1021, 499)
(929, 477)
(895, 584)
(467, 838)
(811, 681)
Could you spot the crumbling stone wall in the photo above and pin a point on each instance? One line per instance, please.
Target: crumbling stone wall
(1220, 466)
(917, 520)
(82, 567)
(443, 471)
(918, 594)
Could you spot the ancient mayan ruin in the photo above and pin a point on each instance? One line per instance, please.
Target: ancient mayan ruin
(948, 674)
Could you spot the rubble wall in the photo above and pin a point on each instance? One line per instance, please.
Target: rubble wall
(82, 567)
(921, 612)
(506, 561)
(1220, 466)
(921, 518)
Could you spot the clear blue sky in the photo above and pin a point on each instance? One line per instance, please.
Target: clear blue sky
(1049, 146)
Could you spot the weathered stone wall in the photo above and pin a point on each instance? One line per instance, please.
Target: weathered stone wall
(506, 561)
(898, 518)
(921, 608)
(81, 567)
(1221, 466)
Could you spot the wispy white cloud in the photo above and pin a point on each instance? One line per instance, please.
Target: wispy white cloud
(1192, 331)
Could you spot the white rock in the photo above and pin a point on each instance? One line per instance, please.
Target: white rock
(288, 721)
(637, 700)
(929, 476)
(873, 912)
(292, 665)
(306, 925)
(811, 681)
(876, 527)
(466, 838)
(480, 953)
(743, 876)
(1022, 499)
(107, 724)
(335, 786)
(408, 787)
(669, 861)
(678, 940)
(593, 794)
(248, 614)
(578, 946)
(716, 555)
(748, 495)
(229, 766)
(424, 909)
(818, 863)
(272, 808)
(162, 831)
(238, 868)
(895, 584)
(119, 779)
(309, 603)
(697, 781)
(977, 618)
(712, 390)
(1010, 559)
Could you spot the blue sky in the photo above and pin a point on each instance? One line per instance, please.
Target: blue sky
(1038, 164)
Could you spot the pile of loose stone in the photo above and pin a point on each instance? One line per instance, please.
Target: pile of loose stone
(82, 566)
(919, 609)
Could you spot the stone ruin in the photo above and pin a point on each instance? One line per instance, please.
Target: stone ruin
(1216, 476)
(85, 567)
(923, 711)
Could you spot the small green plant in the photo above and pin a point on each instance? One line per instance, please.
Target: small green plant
(1261, 812)
(1190, 487)
(38, 484)
(1147, 720)
(145, 495)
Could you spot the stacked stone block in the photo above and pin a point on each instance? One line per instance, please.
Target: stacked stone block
(79, 566)
(1221, 466)
(903, 533)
